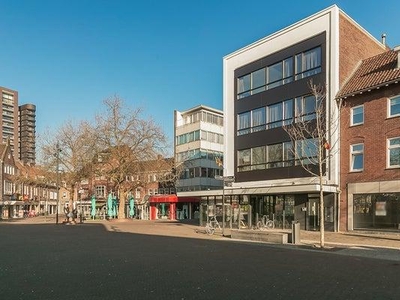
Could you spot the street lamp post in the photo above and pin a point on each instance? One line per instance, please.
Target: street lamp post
(58, 150)
(81, 209)
(223, 206)
(224, 179)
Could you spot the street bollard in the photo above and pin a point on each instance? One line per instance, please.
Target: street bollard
(295, 232)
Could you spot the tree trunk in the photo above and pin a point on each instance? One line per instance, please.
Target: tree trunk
(321, 211)
(122, 201)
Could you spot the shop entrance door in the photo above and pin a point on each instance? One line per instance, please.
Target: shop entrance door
(300, 210)
(313, 213)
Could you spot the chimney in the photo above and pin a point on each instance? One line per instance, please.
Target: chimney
(384, 38)
(397, 50)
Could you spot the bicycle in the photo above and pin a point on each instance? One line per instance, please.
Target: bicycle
(265, 223)
(211, 225)
(282, 224)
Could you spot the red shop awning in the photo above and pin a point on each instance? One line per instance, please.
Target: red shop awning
(172, 199)
(163, 199)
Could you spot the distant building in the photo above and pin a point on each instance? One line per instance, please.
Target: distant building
(9, 119)
(370, 145)
(27, 133)
(18, 124)
(198, 146)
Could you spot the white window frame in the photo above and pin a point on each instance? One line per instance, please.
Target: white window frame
(100, 191)
(389, 107)
(353, 154)
(389, 148)
(352, 115)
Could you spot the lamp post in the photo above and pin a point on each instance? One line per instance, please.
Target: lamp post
(58, 150)
(225, 179)
(81, 209)
(223, 206)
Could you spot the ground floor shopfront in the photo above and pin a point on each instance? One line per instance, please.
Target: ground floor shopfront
(172, 207)
(372, 205)
(19, 209)
(244, 211)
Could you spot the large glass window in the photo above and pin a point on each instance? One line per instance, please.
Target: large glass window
(357, 157)
(251, 84)
(275, 155)
(258, 158)
(394, 152)
(280, 73)
(357, 115)
(271, 156)
(287, 112)
(288, 155)
(303, 65)
(258, 81)
(244, 86)
(307, 151)
(394, 107)
(244, 123)
(258, 119)
(308, 63)
(306, 108)
(275, 75)
(244, 160)
(275, 115)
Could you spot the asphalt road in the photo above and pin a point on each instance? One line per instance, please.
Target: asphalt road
(48, 261)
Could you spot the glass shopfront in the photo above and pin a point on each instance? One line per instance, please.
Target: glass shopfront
(377, 211)
(279, 208)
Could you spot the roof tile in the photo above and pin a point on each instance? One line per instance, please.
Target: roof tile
(372, 72)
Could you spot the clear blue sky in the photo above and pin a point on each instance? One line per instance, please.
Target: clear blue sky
(67, 56)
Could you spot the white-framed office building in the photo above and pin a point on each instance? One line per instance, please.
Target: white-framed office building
(265, 87)
(198, 142)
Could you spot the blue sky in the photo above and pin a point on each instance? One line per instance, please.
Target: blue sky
(67, 56)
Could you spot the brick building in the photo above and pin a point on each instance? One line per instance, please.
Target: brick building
(370, 145)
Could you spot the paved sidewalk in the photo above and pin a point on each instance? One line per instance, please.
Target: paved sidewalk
(359, 243)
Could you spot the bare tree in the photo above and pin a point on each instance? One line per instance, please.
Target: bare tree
(313, 134)
(75, 145)
(125, 139)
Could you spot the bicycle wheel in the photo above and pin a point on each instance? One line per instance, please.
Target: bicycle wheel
(209, 229)
(260, 225)
(269, 224)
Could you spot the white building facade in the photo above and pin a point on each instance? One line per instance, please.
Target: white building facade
(198, 145)
(266, 86)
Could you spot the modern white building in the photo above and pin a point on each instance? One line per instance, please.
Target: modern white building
(198, 146)
(266, 87)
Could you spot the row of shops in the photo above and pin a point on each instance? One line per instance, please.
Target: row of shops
(12, 209)
(369, 211)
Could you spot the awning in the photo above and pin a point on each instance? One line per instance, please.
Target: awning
(163, 199)
(172, 199)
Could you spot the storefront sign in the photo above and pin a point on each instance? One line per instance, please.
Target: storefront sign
(380, 209)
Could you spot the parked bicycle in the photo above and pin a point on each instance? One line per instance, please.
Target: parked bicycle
(282, 224)
(265, 223)
(212, 225)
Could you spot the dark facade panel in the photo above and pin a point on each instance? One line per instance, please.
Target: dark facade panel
(278, 94)
(276, 173)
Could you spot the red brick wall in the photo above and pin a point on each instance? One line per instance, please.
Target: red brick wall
(375, 131)
(354, 46)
